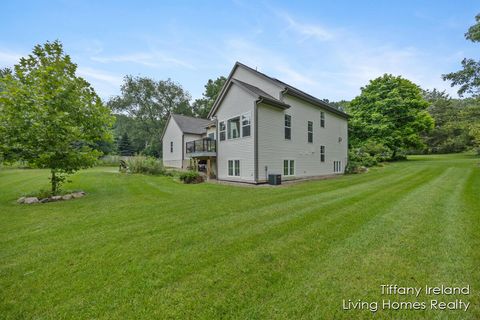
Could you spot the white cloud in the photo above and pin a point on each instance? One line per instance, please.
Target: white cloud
(105, 84)
(306, 31)
(153, 59)
(99, 75)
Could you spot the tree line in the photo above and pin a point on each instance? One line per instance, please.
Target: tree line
(142, 108)
(52, 118)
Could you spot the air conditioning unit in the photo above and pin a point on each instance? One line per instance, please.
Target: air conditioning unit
(275, 179)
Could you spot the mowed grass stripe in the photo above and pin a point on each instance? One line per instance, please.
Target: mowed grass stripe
(140, 246)
(297, 248)
(191, 243)
(367, 254)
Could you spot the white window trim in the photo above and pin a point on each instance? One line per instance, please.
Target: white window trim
(249, 123)
(308, 132)
(294, 167)
(240, 127)
(324, 121)
(324, 154)
(284, 126)
(239, 168)
(240, 133)
(220, 130)
(337, 166)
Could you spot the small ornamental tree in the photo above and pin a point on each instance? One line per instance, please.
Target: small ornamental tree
(49, 116)
(389, 111)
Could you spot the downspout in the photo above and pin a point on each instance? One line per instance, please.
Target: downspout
(255, 141)
(217, 143)
(183, 146)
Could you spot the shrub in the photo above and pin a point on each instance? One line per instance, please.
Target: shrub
(359, 160)
(146, 165)
(377, 150)
(190, 177)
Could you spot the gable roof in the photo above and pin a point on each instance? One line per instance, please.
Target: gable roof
(261, 95)
(286, 89)
(187, 124)
(191, 124)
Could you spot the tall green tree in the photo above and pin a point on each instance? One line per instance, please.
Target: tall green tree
(3, 73)
(469, 77)
(124, 146)
(201, 107)
(148, 103)
(454, 120)
(389, 111)
(49, 116)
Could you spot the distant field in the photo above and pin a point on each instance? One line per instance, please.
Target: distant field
(148, 247)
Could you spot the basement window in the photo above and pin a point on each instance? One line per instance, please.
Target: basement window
(288, 167)
(234, 168)
(337, 166)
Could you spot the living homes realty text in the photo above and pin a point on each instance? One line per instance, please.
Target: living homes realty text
(436, 299)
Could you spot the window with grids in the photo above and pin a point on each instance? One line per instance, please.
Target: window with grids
(171, 146)
(234, 168)
(288, 127)
(337, 166)
(322, 119)
(222, 131)
(246, 125)
(288, 167)
(310, 131)
(322, 153)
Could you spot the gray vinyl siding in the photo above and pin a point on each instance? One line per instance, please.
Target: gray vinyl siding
(236, 102)
(172, 133)
(273, 148)
(247, 76)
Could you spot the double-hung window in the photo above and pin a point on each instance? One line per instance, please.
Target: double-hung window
(234, 168)
(322, 119)
(246, 124)
(322, 153)
(288, 127)
(171, 146)
(288, 167)
(222, 131)
(233, 128)
(310, 131)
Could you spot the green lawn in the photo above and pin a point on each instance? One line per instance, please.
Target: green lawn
(149, 247)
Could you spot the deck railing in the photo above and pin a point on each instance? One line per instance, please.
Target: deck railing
(201, 145)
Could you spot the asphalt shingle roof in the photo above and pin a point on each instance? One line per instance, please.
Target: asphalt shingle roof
(190, 124)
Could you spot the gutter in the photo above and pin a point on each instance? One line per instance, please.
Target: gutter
(315, 101)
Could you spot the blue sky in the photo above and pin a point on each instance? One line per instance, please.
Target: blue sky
(327, 48)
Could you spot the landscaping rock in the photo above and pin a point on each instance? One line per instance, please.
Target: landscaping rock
(56, 198)
(77, 195)
(31, 200)
(44, 200)
(67, 197)
(21, 200)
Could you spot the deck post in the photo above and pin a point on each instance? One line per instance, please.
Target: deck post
(208, 168)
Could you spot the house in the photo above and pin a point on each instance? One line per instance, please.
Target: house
(258, 126)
